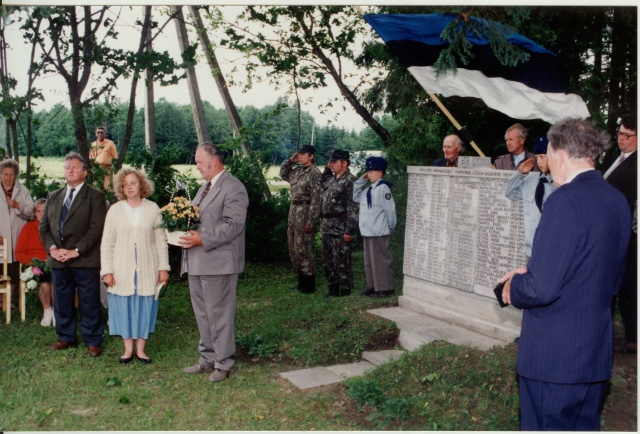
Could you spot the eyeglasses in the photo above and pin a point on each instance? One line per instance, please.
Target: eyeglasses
(99, 132)
(626, 135)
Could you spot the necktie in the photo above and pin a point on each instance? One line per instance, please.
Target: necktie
(204, 193)
(369, 197)
(540, 191)
(622, 157)
(65, 210)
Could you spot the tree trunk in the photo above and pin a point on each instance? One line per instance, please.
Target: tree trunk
(28, 145)
(616, 72)
(14, 135)
(149, 104)
(221, 83)
(7, 139)
(344, 90)
(192, 81)
(134, 85)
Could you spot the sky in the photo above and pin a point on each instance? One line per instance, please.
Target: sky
(261, 94)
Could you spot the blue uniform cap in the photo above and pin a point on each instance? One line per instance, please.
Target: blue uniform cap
(541, 145)
(376, 163)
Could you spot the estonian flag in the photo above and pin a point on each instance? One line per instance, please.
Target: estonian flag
(535, 89)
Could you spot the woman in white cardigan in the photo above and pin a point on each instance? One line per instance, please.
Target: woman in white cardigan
(134, 261)
(15, 211)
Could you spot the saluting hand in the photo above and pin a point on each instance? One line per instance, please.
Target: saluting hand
(526, 166)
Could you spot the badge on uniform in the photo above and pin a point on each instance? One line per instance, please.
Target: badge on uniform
(387, 196)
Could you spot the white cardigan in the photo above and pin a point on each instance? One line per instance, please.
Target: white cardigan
(117, 250)
(12, 220)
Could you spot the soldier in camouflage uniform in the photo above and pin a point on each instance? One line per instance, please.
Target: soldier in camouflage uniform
(339, 223)
(303, 213)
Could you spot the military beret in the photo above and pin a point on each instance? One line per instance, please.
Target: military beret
(307, 149)
(339, 155)
(376, 163)
(541, 145)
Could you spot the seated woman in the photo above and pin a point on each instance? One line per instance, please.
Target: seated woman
(30, 246)
(134, 261)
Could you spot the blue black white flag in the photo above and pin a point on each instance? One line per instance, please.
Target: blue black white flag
(534, 89)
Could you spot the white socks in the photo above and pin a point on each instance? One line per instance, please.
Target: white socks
(47, 318)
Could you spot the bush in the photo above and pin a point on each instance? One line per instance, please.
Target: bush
(266, 230)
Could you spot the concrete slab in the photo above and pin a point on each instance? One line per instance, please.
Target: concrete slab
(380, 357)
(348, 370)
(417, 329)
(312, 377)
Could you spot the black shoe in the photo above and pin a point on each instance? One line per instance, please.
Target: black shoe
(367, 292)
(143, 360)
(383, 294)
(307, 284)
(334, 290)
(345, 292)
(126, 359)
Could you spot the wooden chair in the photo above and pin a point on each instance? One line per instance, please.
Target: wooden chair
(5, 281)
(23, 295)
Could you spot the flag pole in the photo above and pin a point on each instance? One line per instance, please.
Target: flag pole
(462, 133)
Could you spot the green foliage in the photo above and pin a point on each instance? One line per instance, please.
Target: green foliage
(40, 186)
(266, 227)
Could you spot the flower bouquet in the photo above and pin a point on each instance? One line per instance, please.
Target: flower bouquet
(179, 216)
(37, 273)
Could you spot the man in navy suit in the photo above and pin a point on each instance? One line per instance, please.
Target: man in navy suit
(452, 146)
(621, 171)
(576, 268)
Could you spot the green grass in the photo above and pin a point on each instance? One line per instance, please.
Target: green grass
(278, 330)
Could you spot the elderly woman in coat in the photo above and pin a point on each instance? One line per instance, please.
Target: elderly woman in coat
(15, 210)
(134, 261)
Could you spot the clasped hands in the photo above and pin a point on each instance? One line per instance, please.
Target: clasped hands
(63, 255)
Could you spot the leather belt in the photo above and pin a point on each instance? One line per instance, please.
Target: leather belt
(300, 202)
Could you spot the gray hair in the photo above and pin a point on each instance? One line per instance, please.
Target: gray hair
(578, 138)
(76, 156)
(13, 164)
(212, 150)
(458, 141)
(522, 131)
(36, 204)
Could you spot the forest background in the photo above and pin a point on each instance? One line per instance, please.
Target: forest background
(323, 60)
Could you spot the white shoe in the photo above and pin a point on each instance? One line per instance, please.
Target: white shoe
(47, 317)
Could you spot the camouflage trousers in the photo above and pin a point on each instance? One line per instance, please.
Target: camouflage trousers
(303, 260)
(336, 255)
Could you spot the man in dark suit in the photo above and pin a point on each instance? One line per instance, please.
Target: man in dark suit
(452, 146)
(213, 256)
(71, 230)
(515, 138)
(576, 268)
(621, 171)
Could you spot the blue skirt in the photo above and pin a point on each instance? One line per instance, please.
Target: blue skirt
(132, 316)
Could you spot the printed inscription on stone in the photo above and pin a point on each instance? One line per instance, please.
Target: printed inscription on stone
(461, 230)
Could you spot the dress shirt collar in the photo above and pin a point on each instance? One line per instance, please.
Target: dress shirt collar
(518, 158)
(215, 178)
(572, 177)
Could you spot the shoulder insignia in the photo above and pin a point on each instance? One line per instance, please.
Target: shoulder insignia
(387, 196)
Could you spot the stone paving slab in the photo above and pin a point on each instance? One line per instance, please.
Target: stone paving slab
(348, 370)
(380, 357)
(312, 377)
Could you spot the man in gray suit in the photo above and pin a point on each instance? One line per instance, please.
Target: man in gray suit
(213, 256)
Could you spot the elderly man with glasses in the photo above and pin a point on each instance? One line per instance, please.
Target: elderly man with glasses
(621, 171)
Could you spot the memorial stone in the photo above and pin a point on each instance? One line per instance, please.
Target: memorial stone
(462, 234)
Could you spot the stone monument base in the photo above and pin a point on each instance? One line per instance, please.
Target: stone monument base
(465, 309)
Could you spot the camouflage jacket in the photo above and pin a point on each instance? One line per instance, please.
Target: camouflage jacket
(339, 211)
(305, 193)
